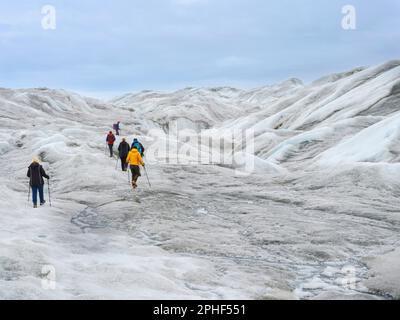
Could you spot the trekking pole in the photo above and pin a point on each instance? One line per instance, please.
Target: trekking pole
(148, 180)
(48, 186)
(29, 184)
(29, 191)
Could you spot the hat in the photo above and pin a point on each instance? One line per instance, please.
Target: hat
(35, 160)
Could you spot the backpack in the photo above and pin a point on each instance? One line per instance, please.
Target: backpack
(138, 147)
(110, 139)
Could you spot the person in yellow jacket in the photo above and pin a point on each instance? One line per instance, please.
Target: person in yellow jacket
(134, 159)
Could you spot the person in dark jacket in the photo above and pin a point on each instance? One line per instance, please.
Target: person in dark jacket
(110, 142)
(36, 174)
(117, 127)
(124, 149)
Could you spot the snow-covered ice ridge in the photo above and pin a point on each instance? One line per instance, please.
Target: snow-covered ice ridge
(318, 218)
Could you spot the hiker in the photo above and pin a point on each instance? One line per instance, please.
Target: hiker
(135, 160)
(117, 128)
(124, 149)
(110, 141)
(36, 174)
(138, 146)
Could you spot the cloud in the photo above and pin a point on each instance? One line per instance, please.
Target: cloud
(235, 61)
(133, 44)
(188, 3)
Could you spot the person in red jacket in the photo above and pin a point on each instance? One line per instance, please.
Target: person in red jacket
(110, 141)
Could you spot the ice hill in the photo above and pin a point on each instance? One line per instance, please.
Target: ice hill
(316, 123)
(318, 217)
(201, 108)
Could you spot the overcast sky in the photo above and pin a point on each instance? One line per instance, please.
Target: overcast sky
(104, 48)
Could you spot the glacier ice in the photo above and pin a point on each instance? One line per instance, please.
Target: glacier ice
(316, 218)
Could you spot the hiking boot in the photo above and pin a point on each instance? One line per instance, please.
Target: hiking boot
(35, 206)
(42, 203)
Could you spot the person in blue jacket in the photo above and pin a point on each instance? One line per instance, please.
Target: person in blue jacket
(138, 146)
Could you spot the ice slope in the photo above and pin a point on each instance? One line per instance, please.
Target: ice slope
(377, 143)
(322, 199)
(330, 113)
(202, 108)
(290, 120)
(191, 108)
